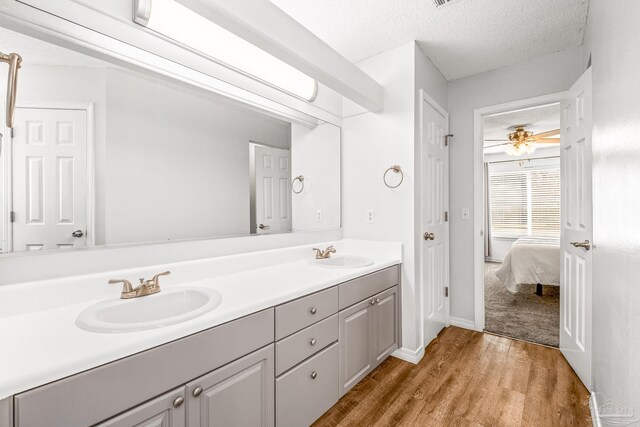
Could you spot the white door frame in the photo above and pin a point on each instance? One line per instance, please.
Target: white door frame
(88, 107)
(424, 96)
(478, 192)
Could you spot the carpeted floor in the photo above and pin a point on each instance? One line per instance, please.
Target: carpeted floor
(523, 315)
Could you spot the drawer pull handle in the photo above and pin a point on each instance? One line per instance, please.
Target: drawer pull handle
(197, 391)
(313, 310)
(314, 375)
(178, 401)
(312, 342)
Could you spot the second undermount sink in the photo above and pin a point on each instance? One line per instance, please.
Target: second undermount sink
(342, 261)
(154, 311)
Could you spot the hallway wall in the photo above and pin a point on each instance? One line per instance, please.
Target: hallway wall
(541, 76)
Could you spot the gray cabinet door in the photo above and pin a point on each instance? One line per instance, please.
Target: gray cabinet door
(167, 410)
(385, 318)
(307, 391)
(355, 344)
(239, 394)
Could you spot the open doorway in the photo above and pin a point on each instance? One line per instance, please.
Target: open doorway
(521, 156)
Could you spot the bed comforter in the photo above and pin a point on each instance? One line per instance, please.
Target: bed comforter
(531, 260)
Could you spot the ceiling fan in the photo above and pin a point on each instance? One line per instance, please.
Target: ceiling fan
(521, 141)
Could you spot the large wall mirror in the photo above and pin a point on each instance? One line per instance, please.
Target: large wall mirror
(104, 155)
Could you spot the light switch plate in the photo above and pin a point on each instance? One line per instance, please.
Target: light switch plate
(465, 214)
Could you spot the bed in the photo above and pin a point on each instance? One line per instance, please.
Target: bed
(531, 260)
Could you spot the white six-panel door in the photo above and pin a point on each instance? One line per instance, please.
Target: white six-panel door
(49, 179)
(576, 212)
(273, 189)
(435, 228)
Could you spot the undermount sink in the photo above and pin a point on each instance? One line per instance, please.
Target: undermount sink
(342, 261)
(154, 311)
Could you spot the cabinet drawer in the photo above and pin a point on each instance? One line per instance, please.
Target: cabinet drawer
(294, 349)
(363, 287)
(305, 311)
(309, 390)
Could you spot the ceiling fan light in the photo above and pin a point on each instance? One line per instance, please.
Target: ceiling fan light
(512, 151)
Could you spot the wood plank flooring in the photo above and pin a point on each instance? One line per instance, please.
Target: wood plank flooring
(468, 378)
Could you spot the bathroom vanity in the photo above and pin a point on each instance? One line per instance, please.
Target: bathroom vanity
(284, 365)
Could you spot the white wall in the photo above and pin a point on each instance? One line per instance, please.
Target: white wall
(177, 163)
(315, 154)
(374, 141)
(613, 40)
(540, 76)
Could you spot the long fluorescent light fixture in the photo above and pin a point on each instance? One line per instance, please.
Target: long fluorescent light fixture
(181, 24)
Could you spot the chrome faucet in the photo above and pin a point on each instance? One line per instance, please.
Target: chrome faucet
(146, 287)
(326, 253)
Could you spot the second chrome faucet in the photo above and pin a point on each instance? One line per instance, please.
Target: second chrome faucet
(146, 287)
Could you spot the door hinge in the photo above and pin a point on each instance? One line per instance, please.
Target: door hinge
(12, 216)
(446, 139)
(446, 292)
(11, 132)
(446, 216)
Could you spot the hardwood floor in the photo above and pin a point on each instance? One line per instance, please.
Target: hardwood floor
(468, 378)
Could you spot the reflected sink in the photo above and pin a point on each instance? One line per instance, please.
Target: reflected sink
(153, 311)
(342, 261)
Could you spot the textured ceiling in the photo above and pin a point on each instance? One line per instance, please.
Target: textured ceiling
(462, 38)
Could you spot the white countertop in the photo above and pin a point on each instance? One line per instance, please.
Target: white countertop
(40, 342)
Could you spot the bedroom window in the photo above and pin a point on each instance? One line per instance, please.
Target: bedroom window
(525, 203)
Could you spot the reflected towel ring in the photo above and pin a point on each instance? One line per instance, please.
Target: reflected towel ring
(298, 178)
(396, 169)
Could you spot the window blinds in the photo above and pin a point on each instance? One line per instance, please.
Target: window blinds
(525, 203)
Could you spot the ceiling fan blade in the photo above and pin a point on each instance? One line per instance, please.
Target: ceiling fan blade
(546, 134)
(547, 140)
(497, 145)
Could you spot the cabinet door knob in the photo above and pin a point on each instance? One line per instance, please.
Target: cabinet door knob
(313, 310)
(377, 300)
(373, 302)
(178, 401)
(197, 391)
(313, 341)
(314, 375)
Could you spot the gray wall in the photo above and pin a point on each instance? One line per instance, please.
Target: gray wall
(612, 38)
(540, 76)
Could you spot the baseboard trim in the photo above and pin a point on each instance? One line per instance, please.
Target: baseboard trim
(593, 408)
(412, 356)
(462, 323)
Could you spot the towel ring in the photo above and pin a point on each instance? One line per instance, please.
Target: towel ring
(298, 178)
(396, 169)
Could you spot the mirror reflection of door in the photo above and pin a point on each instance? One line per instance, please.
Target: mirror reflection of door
(49, 179)
(272, 183)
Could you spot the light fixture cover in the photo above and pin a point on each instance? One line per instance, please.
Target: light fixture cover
(181, 24)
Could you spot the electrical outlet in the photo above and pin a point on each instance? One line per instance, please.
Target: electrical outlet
(465, 214)
(371, 216)
(319, 215)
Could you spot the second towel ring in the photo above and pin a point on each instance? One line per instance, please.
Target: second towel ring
(396, 169)
(298, 178)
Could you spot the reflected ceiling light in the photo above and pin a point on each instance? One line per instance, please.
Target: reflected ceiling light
(181, 24)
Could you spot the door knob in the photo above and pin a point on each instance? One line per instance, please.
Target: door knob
(77, 233)
(586, 245)
(429, 236)
(264, 227)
